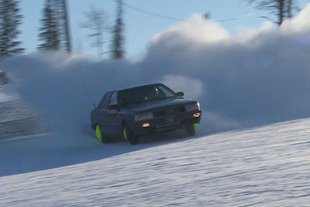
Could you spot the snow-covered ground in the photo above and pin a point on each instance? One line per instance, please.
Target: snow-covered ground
(259, 77)
(268, 166)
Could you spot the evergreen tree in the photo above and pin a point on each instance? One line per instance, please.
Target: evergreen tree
(67, 37)
(3, 78)
(117, 51)
(10, 19)
(49, 33)
(289, 8)
(60, 8)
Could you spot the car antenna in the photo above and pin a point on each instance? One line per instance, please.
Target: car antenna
(91, 98)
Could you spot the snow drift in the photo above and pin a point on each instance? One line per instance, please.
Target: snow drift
(257, 77)
(266, 166)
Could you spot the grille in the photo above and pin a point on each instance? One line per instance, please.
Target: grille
(170, 111)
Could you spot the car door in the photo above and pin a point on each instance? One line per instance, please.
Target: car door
(103, 112)
(115, 122)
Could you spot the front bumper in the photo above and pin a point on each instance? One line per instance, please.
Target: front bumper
(166, 123)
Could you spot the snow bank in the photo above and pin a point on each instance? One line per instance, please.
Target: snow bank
(257, 77)
(266, 166)
(7, 95)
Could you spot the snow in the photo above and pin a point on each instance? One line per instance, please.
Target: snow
(266, 166)
(260, 77)
(254, 78)
(8, 94)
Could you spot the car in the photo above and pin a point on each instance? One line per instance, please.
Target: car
(141, 110)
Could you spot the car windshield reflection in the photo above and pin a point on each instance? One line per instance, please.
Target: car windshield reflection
(138, 95)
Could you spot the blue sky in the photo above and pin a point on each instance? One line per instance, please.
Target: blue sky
(140, 27)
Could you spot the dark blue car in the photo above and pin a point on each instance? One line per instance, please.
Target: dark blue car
(142, 110)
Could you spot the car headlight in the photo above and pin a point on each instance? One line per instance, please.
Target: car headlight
(144, 116)
(192, 107)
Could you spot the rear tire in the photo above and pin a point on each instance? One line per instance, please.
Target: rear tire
(129, 135)
(101, 137)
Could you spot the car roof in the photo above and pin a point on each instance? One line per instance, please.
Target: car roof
(138, 86)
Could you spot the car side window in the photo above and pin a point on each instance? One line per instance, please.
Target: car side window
(104, 101)
(113, 99)
(100, 103)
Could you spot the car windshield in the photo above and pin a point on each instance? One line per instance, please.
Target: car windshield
(142, 94)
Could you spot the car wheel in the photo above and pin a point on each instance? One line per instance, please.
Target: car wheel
(129, 135)
(101, 137)
(191, 129)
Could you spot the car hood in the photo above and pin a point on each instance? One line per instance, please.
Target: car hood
(161, 104)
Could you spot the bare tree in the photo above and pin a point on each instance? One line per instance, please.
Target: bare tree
(96, 24)
(281, 8)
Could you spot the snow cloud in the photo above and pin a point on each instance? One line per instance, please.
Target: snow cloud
(257, 77)
(298, 24)
(195, 90)
(196, 29)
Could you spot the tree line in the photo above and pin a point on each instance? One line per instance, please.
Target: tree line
(54, 33)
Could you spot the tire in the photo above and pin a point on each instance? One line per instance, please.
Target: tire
(191, 129)
(101, 137)
(129, 135)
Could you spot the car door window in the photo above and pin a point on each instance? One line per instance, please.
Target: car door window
(104, 101)
(113, 99)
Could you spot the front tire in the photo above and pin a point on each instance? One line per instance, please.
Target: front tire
(129, 135)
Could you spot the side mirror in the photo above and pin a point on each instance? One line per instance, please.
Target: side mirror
(180, 94)
(114, 107)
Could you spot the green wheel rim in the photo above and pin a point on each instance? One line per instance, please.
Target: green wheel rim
(125, 134)
(195, 126)
(99, 133)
